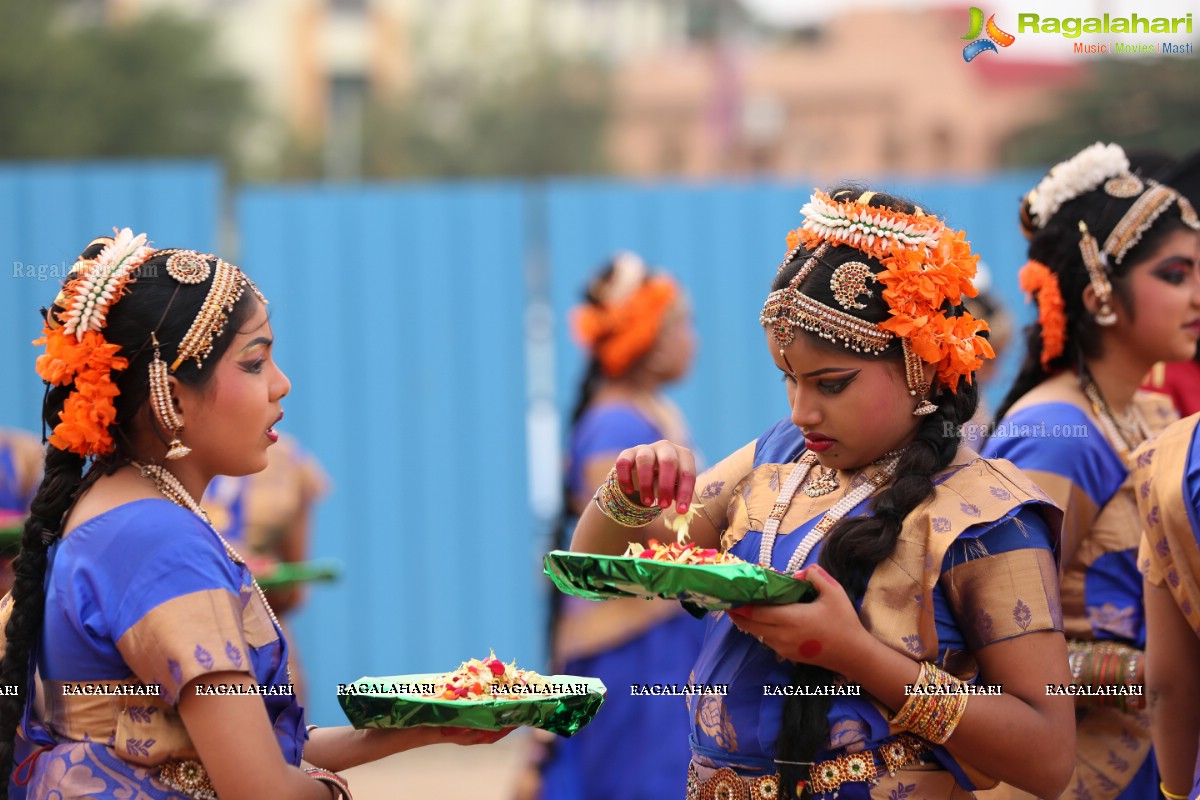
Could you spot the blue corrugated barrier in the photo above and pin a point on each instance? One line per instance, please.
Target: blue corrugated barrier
(50, 211)
(398, 317)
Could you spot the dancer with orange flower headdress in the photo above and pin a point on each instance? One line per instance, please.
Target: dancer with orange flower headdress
(933, 568)
(145, 658)
(1113, 269)
(636, 327)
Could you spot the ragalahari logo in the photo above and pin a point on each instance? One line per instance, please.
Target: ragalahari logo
(994, 37)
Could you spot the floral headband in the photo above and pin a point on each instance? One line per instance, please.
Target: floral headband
(625, 323)
(78, 355)
(928, 269)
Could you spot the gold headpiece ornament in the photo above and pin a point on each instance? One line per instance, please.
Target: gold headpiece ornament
(928, 269)
(77, 354)
(228, 283)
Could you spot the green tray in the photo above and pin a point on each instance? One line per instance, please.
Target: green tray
(712, 587)
(387, 704)
(289, 573)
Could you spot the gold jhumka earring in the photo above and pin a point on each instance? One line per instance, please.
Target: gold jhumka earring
(164, 405)
(1095, 261)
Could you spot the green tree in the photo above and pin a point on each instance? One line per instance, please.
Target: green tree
(72, 87)
(548, 120)
(1150, 104)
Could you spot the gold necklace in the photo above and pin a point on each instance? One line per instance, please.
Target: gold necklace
(887, 468)
(821, 482)
(1125, 433)
(170, 487)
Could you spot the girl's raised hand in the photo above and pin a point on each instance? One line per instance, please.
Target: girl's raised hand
(662, 473)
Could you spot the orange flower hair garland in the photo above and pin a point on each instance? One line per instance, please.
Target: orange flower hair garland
(77, 353)
(621, 333)
(1037, 280)
(927, 265)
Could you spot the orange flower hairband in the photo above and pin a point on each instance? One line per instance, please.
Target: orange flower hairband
(77, 353)
(926, 266)
(621, 333)
(1038, 281)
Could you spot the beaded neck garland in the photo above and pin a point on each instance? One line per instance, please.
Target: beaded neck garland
(887, 468)
(170, 487)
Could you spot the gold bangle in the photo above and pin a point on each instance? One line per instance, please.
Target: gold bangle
(933, 716)
(1162, 787)
(614, 504)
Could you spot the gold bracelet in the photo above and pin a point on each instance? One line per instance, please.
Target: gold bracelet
(617, 506)
(933, 716)
(1162, 787)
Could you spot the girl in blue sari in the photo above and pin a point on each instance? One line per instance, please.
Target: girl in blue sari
(637, 331)
(933, 568)
(1112, 265)
(147, 662)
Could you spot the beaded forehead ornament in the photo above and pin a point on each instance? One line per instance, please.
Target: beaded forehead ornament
(228, 283)
(928, 269)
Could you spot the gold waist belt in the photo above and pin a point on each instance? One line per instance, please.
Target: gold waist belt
(824, 776)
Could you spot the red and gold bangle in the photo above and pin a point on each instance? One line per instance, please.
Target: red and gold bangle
(341, 789)
(617, 506)
(933, 716)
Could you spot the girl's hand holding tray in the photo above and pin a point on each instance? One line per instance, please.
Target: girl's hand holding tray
(484, 695)
(703, 579)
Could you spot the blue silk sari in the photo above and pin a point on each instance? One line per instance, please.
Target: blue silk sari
(1167, 477)
(142, 594)
(1067, 455)
(972, 567)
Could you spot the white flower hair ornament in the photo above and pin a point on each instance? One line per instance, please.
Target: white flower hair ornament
(1081, 173)
(97, 283)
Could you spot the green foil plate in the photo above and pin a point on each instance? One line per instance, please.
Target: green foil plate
(712, 587)
(290, 573)
(397, 703)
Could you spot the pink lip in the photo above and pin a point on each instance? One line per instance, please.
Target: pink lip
(271, 433)
(817, 442)
(1193, 327)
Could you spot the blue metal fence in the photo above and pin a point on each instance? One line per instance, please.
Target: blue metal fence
(49, 212)
(398, 317)
(400, 314)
